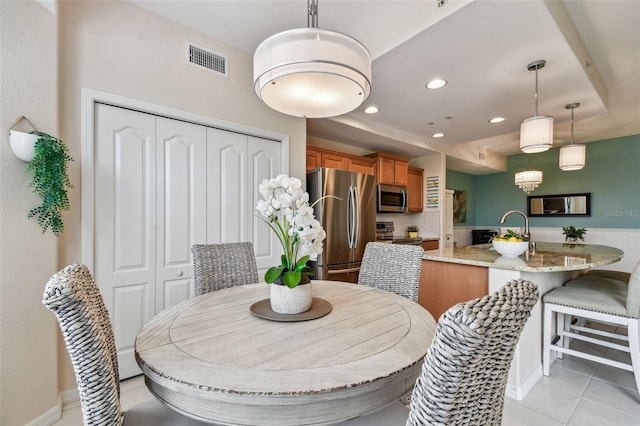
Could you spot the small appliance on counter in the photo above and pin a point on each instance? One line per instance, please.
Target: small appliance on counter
(384, 234)
(482, 236)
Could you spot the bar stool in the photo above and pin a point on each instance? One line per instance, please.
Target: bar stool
(615, 282)
(616, 275)
(596, 299)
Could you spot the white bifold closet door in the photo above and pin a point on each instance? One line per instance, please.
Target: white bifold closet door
(162, 185)
(150, 209)
(236, 165)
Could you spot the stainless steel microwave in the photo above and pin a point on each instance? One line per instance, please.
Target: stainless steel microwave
(392, 199)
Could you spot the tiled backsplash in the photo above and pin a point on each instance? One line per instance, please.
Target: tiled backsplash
(428, 222)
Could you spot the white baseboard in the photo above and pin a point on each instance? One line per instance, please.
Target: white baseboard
(49, 417)
(520, 392)
(70, 398)
(66, 400)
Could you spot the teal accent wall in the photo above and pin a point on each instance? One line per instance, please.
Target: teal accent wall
(464, 182)
(611, 175)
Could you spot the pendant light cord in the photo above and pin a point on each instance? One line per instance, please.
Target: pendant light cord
(536, 95)
(571, 126)
(312, 18)
(572, 107)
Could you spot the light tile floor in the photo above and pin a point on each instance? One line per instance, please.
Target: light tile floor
(576, 393)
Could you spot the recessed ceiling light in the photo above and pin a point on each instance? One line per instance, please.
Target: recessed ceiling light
(371, 109)
(438, 135)
(495, 120)
(436, 83)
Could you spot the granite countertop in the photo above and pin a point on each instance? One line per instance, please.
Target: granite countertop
(547, 257)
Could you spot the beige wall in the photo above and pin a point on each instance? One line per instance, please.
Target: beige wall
(113, 47)
(28, 332)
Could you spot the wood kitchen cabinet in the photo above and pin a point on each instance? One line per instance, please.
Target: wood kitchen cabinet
(391, 169)
(430, 245)
(415, 190)
(320, 157)
(443, 284)
(362, 165)
(335, 161)
(314, 158)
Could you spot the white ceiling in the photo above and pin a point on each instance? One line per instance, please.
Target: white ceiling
(481, 47)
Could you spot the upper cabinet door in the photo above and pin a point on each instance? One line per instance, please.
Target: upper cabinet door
(362, 165)
(415, 190)
(314, 158)
(386, 171)
(181, 206)
(401, 172)
(334, 161)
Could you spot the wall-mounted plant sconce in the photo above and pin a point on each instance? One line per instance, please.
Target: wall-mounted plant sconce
(22, 143)
(48, 159)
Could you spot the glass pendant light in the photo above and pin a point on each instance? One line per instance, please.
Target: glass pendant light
(572, 156)
(310, 72)
(528, 180)
(536, 133)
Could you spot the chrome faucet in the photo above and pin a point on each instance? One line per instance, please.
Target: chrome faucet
(526, 224)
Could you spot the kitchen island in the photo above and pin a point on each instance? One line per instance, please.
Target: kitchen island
(455, 274)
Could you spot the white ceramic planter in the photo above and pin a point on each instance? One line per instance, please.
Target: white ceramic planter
(285, 300)
(23, 144)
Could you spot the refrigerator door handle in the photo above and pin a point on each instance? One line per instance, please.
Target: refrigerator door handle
(349, 218)
(352, 213)
(356, 231)
(343, 271)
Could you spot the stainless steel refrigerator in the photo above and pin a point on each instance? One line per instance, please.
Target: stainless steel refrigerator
(350, 221)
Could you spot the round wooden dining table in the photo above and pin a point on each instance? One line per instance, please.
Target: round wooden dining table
(212, 358)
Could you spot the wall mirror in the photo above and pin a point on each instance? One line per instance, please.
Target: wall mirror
(559, 205)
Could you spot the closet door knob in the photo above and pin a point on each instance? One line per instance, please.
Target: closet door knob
(179, 273)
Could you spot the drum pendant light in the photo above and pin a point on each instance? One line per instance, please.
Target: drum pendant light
(310, 72)
(572, 156)
(536, 133)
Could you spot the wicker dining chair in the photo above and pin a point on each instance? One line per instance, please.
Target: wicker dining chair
(218, 266)
(464, 373)
(392, 267)
(74, 298)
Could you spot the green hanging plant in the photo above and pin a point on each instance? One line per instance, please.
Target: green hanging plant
(50, 181)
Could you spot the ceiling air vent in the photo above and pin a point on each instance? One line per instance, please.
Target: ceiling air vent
(207, 60)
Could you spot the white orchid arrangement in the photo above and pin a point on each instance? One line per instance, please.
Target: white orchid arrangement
(286, 210)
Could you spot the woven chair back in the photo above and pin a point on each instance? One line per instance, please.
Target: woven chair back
(464, 374)
(218, 266)
(392, 267)
(74, 298)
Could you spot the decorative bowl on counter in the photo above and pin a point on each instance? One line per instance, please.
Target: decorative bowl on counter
(510, 248)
